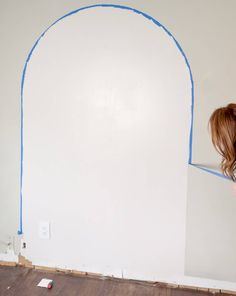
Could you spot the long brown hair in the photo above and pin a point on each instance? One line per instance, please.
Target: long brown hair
(223, 132)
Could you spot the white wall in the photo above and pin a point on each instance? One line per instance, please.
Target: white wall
(103, 90)
(211, 242)
(205, 29)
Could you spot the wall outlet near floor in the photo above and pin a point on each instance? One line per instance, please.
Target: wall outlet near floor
(44, 229)
(23, 244)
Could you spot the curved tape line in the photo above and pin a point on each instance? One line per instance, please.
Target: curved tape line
(20, 231)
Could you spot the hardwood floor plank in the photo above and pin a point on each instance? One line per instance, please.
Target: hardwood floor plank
(17, 281)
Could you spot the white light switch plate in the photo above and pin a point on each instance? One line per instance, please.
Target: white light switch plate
(44, 229)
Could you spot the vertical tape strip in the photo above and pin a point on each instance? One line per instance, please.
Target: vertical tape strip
(20, 231)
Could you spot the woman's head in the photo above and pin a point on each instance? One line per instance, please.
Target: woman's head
(223, 131)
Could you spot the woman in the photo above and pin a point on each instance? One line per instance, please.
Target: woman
(223, 131)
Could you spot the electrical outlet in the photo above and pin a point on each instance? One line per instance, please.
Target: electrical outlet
(44, 229)
(23, 244)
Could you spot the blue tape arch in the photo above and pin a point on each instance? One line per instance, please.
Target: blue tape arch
(20, 230)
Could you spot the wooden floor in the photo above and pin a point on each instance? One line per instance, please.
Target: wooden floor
(21, 281)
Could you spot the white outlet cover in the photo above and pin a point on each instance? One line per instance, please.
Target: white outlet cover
(44, 230)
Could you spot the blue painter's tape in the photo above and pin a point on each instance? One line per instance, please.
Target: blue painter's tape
(20, 231)
(210, 171)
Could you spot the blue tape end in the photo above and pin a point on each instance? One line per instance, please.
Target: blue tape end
(19, 232)
(210, 171)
